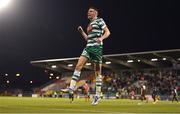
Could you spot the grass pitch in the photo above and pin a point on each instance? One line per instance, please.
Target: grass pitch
(62, 105)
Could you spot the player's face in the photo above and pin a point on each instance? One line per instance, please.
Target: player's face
(91, 13)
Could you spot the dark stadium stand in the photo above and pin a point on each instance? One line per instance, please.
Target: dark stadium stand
(124, 73)
(138, 60)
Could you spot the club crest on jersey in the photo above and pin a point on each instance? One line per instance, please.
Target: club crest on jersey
(89, 29)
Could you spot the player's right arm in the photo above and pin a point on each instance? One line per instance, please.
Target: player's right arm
(80, 29)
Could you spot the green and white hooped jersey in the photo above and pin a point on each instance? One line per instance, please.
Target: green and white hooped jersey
(95, 30)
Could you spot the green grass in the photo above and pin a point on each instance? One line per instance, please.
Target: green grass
(61, 105)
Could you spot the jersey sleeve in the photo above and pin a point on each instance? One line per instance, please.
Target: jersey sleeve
(102, 24)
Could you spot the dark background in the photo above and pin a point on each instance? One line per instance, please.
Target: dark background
(47, 29)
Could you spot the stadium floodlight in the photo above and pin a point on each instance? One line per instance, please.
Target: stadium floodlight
(108, 62)
(154, 59)
(17, 75)
(70, 65)
(164, 59)
(139, 60)
(57, 77)
(53, 66)
(31, 82)
(6, 74)
(4, 3)
(7, 81)
(88, 64)
(130, 61)
(51, 74)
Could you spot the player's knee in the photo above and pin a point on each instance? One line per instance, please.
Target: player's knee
(97, 73)
(79, 67)
(99, 78)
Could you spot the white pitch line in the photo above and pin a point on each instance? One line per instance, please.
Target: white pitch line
(91, 113)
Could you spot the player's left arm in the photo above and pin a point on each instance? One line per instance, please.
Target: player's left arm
(105, 35)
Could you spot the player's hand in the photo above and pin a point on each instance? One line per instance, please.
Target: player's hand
(99, 40)
(80, 29)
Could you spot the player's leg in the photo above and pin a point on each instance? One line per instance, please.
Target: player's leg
(142, 98)
(95, 55)
(154, 98)
(147, 99)
(88, 97)
(77, 72)
(173, 98)
(76, 75)
(71, 97)
(85, 97)
(176, 98)
(97, 68)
